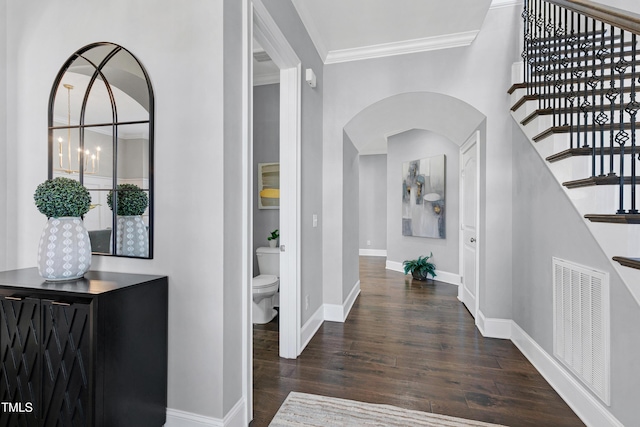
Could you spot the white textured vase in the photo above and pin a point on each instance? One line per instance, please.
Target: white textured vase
(64, 252)
(132, 238)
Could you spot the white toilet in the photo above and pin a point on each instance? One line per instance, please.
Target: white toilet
(265, 286)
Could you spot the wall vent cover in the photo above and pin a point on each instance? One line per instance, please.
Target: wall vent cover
(581, 324)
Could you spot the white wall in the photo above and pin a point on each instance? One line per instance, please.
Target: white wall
(413, 145)
(479, 75)
(266, 149)
(373, 202)
(186, 70)
(629, 5)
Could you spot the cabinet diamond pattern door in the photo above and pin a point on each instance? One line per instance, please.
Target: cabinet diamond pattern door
(65, 336)
(20, 361)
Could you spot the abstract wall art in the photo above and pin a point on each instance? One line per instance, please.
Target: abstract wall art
(423, 197)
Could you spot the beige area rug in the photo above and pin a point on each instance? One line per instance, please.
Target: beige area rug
(310, 410)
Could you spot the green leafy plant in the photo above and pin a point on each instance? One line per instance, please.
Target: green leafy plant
(420, 268)
(131, 200)
(60, 197)
(274, 235)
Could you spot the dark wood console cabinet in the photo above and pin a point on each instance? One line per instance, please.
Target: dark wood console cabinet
(85, 353)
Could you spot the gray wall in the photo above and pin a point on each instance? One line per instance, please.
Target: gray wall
(133, 158)
(266, 149)
(478, 75)
(547, 225)
(4, 241)
(414, 145)
(373, 201)
(351, 202)
(291, 26)
(197, 211)
(235, 83)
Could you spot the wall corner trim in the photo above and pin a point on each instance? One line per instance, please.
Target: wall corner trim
(339, 313)
(494, 328)
(177, 418)
(311, 326)
(235, 418)
(402, 47)
(590, 410)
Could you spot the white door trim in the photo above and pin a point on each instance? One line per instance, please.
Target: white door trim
(267, 33)
(474, 140)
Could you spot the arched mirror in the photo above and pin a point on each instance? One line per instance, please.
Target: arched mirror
(101, 133)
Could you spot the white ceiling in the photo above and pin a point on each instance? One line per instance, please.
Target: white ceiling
(347, 30)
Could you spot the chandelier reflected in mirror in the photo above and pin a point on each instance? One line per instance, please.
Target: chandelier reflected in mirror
(90, 161)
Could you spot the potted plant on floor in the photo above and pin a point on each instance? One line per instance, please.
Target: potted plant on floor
(273, 238)
(132, 238)
(420, 268)
(64, 251)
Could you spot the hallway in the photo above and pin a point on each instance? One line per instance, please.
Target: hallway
(412, 345)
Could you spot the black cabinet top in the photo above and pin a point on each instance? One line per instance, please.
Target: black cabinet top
(93, 282)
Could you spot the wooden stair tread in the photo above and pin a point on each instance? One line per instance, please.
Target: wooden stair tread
(627, 262)
(582, 151)
(588, 128)
(596, 180)
(516, 86)
(523, 100)
(614, 218)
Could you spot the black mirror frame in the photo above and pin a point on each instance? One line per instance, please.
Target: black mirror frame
(114, 124)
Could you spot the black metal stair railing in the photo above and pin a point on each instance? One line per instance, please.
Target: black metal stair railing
(582, 66)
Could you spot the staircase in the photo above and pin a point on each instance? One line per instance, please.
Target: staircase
(578, 106)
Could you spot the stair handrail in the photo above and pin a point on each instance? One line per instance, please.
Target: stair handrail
(623, 19)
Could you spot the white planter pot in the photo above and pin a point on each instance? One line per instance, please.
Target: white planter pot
(64, 252)
(132, 238)
(273, 243)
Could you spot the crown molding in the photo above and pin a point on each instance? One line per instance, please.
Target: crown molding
(403, 47)
(316, 38)
(495, 4)
(266, 79)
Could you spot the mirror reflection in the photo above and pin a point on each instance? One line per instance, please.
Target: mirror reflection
(101, 133)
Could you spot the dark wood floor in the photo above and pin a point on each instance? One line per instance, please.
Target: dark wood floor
(410, 344)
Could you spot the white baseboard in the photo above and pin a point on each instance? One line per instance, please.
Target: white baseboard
(494, 328)
(235, 418)
(441, 276)
(339, 313)
(176, 418)
(311, 327)
(590, 410)
(373, 252)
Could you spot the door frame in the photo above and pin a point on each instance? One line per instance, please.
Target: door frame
(268, 34)
(473, 141)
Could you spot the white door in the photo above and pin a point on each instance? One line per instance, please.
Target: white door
(469, 224)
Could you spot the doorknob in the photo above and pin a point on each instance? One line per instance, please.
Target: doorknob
(472, 240)
(281, 248)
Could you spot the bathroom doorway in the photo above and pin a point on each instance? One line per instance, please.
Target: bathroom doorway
(265, 31)
(269, 36)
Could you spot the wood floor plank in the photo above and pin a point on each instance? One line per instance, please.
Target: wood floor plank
(413, 345)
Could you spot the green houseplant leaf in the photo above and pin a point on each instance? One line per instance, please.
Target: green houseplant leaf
(131, 200)
(421, 267)
(62, 197)
(274, 235)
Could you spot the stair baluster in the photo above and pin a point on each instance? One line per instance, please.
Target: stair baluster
(581, 66)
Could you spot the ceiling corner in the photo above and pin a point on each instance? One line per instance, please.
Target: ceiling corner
(312, 30)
